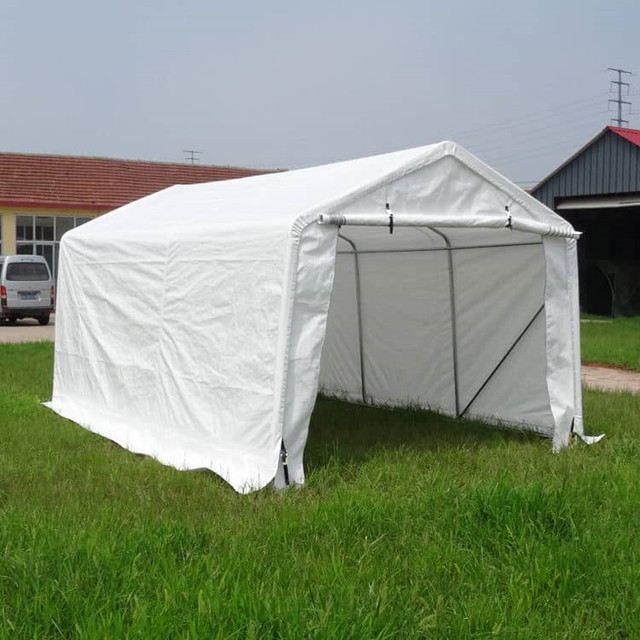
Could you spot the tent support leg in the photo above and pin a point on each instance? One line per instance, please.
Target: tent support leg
(356, 263)
(454, 331)
(506, 355)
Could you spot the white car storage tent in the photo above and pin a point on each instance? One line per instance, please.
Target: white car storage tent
(195, 325)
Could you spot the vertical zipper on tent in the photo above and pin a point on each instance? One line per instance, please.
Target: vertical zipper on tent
(284, 458)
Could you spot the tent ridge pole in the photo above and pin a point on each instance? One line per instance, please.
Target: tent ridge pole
(452, 304)
(356, 263)
(504, 357)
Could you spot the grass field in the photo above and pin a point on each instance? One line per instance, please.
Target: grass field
(614, 341)
(411, 525)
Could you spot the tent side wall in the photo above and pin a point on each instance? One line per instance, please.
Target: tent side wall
(167, 344)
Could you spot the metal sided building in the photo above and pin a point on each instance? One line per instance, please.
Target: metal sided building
(598, 191)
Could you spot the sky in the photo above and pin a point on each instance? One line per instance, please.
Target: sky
(289, 84)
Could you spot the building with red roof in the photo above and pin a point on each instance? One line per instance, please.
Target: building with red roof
(598, 191)
(43, 196)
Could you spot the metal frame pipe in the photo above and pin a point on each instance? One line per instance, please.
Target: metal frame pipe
(461, 248)
(358, 313)
(452, 310)
(458, 220)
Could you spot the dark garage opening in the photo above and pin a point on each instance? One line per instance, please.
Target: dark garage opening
(609, 259)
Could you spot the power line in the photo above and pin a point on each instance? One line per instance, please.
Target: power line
(545, 121)
(619, 101)
(541, 114)
(534, 150)
(531, 152)
(550, 150)
(538, 133)
(541, 136)
(535, 130)
(559, 124)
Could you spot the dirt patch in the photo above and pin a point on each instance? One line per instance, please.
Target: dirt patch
(609, 378)
(606, 365)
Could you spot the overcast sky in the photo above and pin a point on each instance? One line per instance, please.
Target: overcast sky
(295, 83)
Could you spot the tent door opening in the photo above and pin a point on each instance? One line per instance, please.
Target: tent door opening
(393, 332)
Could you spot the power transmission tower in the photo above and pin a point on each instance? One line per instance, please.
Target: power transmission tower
(193, 155)
(619, 101)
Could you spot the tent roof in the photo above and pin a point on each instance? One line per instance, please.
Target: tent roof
(35, 180)
(283, 198)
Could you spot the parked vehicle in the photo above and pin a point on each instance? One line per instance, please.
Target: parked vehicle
(26, 289)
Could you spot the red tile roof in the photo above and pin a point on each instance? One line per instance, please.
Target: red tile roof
(99, 184)
(632, 135)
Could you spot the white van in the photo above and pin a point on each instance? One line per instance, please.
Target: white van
(26, 289)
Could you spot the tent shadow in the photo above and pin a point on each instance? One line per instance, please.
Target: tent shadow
(345, 433)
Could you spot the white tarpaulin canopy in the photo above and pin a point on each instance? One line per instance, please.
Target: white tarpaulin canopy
(195, 325)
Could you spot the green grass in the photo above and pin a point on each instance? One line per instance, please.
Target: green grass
(411, 525)
(614, 341)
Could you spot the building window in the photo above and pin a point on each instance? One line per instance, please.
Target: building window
(24, 228)
(64, 224)
(41, 235)
(44, 227)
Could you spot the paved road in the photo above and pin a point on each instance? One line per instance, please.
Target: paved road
(27, 330)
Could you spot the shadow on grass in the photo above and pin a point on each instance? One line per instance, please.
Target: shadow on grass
(344, 432)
